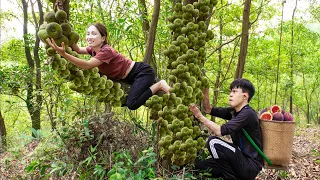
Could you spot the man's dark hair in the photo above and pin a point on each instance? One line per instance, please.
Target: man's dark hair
(245, 85)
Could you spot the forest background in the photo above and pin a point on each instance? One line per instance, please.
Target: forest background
(281, 58)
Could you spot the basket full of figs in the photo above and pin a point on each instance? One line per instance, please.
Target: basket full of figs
(277, 127)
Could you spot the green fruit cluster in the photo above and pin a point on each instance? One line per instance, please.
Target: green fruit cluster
(88, 82)
(180, 135)
(57, 27)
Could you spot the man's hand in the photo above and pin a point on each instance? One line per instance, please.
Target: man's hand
(60, 50)
(195, 111)
(206, 102)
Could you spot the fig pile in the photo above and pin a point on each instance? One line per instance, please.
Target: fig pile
(180, 135)
(89, 82)
(275, 113)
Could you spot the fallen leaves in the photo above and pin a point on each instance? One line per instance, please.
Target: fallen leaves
(305, 162)
(305, 155)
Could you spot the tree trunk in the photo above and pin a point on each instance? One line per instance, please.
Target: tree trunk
(33, 102)
(63, 5)
(279, 53)
(66, 8)
(148, 57)
(144, 14)
(3, 134)
(318, 116)
(217, 83)
(291, 57)
(308, 98)
(244, 39)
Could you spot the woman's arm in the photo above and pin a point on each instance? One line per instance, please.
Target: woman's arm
(215, 128)
(79, 50)
(93, 62)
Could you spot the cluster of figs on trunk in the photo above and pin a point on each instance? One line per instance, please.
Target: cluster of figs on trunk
(180, 134)
(275, 113)
(89, 82)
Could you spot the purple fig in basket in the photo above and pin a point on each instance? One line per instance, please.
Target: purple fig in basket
(277, 116)
(287, 116)
(267, 109)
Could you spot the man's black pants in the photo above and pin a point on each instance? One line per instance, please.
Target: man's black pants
(227, 161)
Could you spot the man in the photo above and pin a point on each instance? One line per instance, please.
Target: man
(237, 160)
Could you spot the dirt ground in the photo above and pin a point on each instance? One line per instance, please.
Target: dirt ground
(305, 162)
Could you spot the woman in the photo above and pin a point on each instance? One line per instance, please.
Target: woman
(114, 65)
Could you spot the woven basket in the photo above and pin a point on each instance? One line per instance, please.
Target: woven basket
(277, 140)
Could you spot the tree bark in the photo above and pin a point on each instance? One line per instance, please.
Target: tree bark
(217, 83)
(279, 53)
(63, 5)
(148, 57)
(144, 14)
(66, 8)
(291, 57)
(3, 133)
(33, 102)
(244, 39)
(38, 63)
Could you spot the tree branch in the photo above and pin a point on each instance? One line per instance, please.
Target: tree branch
(223, 44)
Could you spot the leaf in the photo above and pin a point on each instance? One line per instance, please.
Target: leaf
(116, 176)
(31, 166)
(121, 20)
(68, 102)
(112, 171)
(93, 149)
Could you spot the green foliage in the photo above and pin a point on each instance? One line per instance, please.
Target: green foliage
(12, 52)
(316, 153)
(13, 79)
(125, 168)
(99, 171)
(282, 173)
(36, 133)
(61, 168)
(63, 107)
(37, 165)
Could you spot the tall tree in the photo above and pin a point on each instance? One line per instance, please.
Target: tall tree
(279, 54)
(144, 17)
(291, 55)
(244, 39)
(3, 133)
(152, 35)
(34, 96)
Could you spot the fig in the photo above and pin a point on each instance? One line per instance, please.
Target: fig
(66, 29)
(49, 17)
(275, 108)
(54, 30)
(60, 15)
(266, 116)
(264, 110)
(277, 116)
(287, 116)
(73, 38)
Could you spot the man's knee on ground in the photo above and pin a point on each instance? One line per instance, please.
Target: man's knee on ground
(132, 105)
(202, 165)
